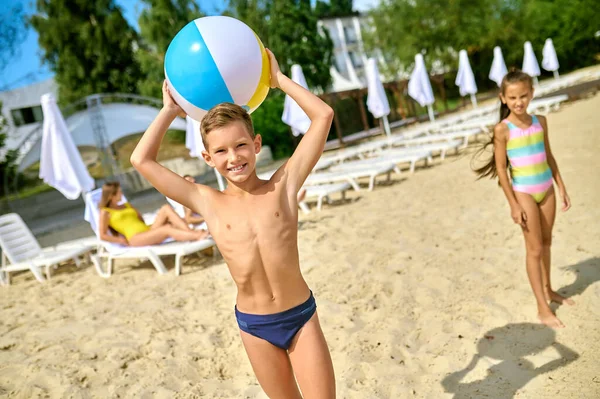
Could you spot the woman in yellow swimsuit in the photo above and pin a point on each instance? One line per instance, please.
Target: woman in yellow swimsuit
(131, 230)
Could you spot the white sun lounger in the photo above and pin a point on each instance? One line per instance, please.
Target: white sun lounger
(546, 105)
(483, 123)
(395, 157)
(350, 175)
(21, 251)
(111, 251)
(428, 144)
(324, 191)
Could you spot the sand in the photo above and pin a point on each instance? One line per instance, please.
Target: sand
(421, 290)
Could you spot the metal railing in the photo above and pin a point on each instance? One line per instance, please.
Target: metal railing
(29, 141)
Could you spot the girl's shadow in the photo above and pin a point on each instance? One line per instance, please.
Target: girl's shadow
(509, 344)
(587, 272)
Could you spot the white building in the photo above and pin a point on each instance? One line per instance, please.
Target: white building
(22, 109)
(23, 112)
(350, 56)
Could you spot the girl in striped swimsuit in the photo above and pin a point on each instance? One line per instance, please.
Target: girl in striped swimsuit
(521, 147)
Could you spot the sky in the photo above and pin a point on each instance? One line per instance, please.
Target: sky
(26, 67)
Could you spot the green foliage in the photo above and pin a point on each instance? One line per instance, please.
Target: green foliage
(267, 122)
(159, 23)
(440, 28)
(254, 13)
(334, 8)
(295, 39)
(7, 160)
(289, 28)
(89, 46)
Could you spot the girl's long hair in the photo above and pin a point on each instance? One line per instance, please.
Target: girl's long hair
(109, 190)
(489, 168)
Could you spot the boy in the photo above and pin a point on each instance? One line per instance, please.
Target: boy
(255, 225)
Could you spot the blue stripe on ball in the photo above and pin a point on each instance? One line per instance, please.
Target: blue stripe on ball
(187, 58)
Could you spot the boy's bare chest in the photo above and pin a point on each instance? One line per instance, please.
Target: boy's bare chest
(258, 220)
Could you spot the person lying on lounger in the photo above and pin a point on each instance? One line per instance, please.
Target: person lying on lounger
(128, 226)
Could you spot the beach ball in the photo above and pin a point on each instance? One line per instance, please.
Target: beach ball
(213, 60)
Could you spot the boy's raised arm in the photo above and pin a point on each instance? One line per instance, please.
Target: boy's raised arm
(144, 160)
(312, 144)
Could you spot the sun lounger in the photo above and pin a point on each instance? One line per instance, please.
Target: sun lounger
(350, 174)
(111, 251)
(324, 191)
(545, 105)
(21, 251)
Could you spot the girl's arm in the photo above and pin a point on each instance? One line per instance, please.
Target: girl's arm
(500, 140)
(103, 230)
(562, 190)
(143, 159)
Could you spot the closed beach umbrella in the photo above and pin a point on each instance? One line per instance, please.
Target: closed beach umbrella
(61, 165)
(465, 80)
(193, 142)
(419, 86)
(498, 70)
(549, 58)
(293, 115)
(530, 64)
(377, 101)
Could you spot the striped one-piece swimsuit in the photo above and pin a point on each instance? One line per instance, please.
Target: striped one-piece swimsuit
(529, 168)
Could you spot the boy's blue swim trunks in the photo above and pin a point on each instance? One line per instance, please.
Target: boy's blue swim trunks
(279, 328)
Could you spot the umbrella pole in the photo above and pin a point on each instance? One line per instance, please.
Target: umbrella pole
(430, 112)
(473, 100)
(220, 180)
(555, 74)
(386, 126)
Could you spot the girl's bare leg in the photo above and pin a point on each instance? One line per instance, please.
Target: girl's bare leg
(533, 244)
(272, 368)
(159, 234)
(312, 362)
(547, 217)
(166, 215)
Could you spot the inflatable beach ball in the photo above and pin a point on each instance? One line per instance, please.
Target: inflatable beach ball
(213, 60)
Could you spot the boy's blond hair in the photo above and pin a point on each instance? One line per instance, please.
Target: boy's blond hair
(222, 115)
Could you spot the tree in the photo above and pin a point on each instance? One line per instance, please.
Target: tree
(441, 28)
(7, 157)
(88, 45)
(290, 29)
(159, 23)
(334, 8)
(12, 34)
(253, 13)
(295, 38)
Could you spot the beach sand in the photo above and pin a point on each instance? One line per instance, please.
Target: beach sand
(420, 285)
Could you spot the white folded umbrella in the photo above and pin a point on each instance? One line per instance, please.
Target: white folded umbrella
(419, 86)
(530, 64)
(549, 58)
(377, 101)
(498, 70)
(193, 142)
(61, 165)
(465, 80)
(293, 115)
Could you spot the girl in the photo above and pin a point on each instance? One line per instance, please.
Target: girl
(520, 143)
(128, 223)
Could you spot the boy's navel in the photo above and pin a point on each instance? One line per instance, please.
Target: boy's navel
(276, 214)
(228, 227)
